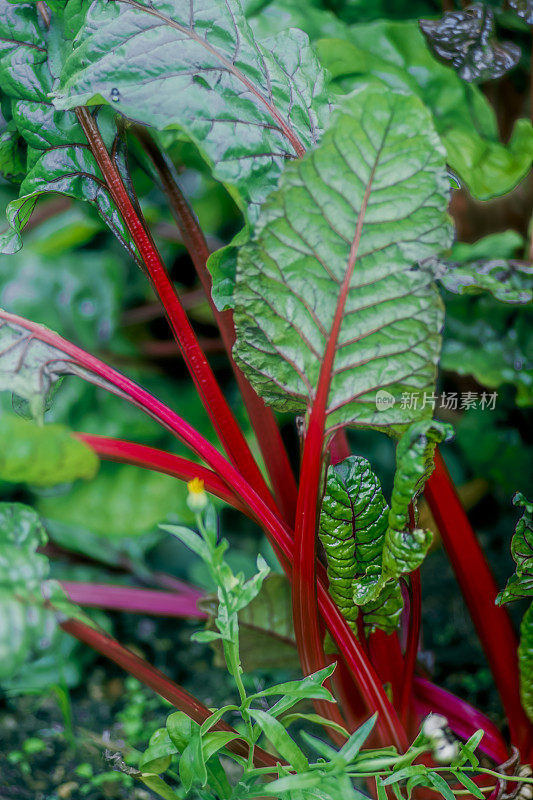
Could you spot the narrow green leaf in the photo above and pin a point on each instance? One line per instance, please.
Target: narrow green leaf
(340, 237)
(158, 786)
(215, 740)
(309, 687)
(192, 769)
(169, 63)
(288, 719)
(438, 782)
(353, 522)
(278, 736)
(521, 583)
(42, 456)
(189, 538)
(350, 750)
(468, 783)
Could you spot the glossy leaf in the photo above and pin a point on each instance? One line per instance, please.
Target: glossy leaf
(353, 522)
(521, 584)
(464, 118)
(30, 368)
(340, 236)
(467, 41)
(248, 105)
(524, 9)
(278, 736)
(59, 159)
(26, 627)
(42, 455)
(404, 548)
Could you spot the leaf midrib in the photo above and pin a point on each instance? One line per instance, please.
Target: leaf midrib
(284, 125)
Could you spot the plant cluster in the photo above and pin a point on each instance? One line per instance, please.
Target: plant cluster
(335, 138)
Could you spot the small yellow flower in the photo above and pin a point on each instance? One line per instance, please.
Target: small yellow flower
(197, 499)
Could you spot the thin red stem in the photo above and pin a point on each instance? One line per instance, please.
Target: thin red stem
(262, 418)
(212, 397)
(411, 651)
(129, 598)
(140, 455)
(304, 601)
(479, 589)
(156, 680)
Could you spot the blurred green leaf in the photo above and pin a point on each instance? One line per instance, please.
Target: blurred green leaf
(121, 501)
(395, 53)
(42, 455)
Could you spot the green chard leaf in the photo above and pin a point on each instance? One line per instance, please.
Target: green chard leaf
(404, 548)
(341, 238)
(521, 586)
(27, 628)
(507, 281)
(396, 54)
(174, 64)
(42, 455)
(59, 159)
(353, 523)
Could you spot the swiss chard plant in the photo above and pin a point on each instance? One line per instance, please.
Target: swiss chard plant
(341, 145)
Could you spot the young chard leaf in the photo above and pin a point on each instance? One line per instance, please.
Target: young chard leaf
(404, 549)
(59, 159)
(248, 105)
(466, 39)
(330, 270)
(353, 523)
(521, 586)
(521, 583)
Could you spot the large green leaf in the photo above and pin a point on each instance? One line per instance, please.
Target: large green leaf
(59, 159)
(197, 66)
(395, 53)
(353, 522)
(42, 455)
(340, 240)
(520, 586)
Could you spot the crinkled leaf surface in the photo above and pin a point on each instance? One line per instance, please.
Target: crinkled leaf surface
(30, 368)
(59, 159)
(524, 9)
(404, 548)
(508, 281)
(353, 522)
(42, 455)
(25, 625)
(340, 237)
(197, 66)
(466, 40)
(519, 586)
(396, 53)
